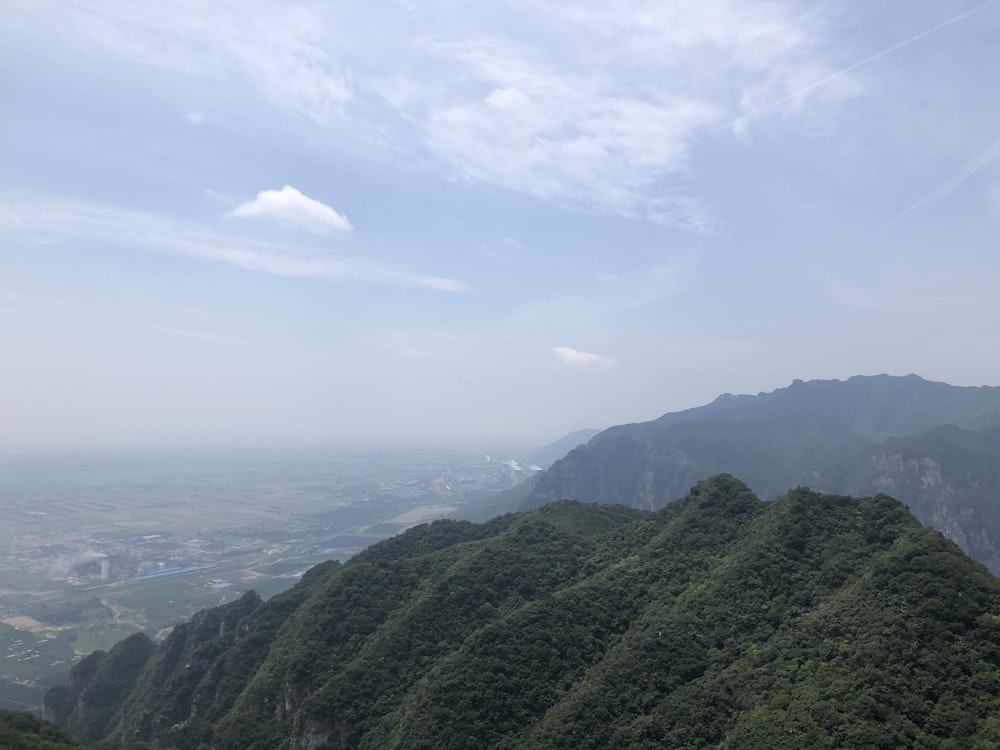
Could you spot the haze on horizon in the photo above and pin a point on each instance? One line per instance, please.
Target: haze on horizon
(298, 222)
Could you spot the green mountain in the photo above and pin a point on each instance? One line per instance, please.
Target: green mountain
(23, 731)
(932, 445)
(718, 621)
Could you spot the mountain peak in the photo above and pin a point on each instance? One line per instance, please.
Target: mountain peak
(840, 435)
(714, 622)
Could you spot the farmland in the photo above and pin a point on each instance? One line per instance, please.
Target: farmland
(94, 547)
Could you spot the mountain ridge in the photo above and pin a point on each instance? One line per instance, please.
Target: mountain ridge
(715, 621)
(829, 434)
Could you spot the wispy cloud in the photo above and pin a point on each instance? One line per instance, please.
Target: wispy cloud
(32, 217)
(292, 207)
(560, 138)
(981, 160)
(577, 358)
(813, 80)
(281, 52)
(595, 107)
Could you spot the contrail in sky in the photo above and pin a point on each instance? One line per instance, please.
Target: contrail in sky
(871, 58)
(975, 164)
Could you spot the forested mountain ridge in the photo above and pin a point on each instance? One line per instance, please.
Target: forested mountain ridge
(934, 446)
(23, 731)
(718, 621)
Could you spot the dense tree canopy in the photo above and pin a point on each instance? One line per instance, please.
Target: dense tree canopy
(719, 621)
(23, 731)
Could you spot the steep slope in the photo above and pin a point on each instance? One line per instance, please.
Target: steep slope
(549, 454)
(98, 683)
(507, 501)
(950, 479)
(719, 621)
(188, 682)
(511, 499)
(375, 631)
(23, 731)
(875, 405)
(840, 436)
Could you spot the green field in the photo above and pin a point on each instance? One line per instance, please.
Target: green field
(258, 518)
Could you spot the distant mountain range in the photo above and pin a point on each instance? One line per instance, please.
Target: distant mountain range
(934, 446)
(719, 621)
(552, 452)
(672, 617)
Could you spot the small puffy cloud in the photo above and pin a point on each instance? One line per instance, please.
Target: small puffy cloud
(580, 359)
(608, 123)
(41, 217)
(195, 118)
(292, 207)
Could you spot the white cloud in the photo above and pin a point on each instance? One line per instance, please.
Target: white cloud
(580, 359)
(979, 162)
(30, 217)
(195, 118)
(807, 79)
(292, 207)
(595, 107)
(600, 107)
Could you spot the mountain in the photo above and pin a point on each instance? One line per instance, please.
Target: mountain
(932, 445)
(23, 731)
(513, 498)
(549, 454)
(950, 479)
(718, 621)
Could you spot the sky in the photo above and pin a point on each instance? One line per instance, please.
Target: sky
(458, 222)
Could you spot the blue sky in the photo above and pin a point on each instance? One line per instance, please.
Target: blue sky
(468, 222)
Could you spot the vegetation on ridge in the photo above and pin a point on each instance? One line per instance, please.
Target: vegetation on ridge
(934, 446)
(719, 621)
(23, 731)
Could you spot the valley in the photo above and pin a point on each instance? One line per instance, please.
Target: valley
(312, 599)
(96, 548)
(718, 621)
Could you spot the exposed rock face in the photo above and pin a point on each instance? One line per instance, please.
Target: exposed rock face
(950, 478)
(291, 699)
(313, 735)
(896, 471)
(718, 621)
(933, 446)
(963, 526)
(97, 683)
(628, 473)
